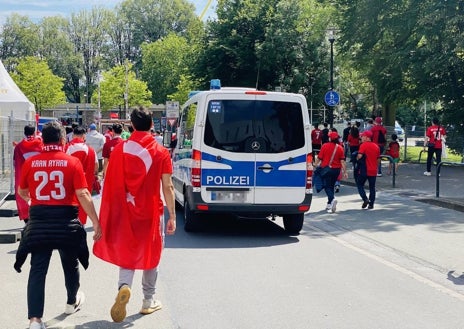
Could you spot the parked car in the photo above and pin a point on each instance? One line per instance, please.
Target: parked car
(399, 131)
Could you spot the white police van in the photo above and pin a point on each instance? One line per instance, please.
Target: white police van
(244, 152)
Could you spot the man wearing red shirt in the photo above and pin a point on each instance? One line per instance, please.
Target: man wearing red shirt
(111, 144)
(333, 156)
(379, 134)
(54, 184)
(434, 138)
(88, 158)
(370, 152)
(131, 212)
(29, 146)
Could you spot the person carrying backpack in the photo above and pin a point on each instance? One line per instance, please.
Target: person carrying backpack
(378, 137)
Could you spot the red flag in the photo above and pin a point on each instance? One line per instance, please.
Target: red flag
(131, 204)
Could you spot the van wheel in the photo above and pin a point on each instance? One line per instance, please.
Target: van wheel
(293, 223)
(190, 218)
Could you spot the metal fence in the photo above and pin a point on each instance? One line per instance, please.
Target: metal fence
(11, 130)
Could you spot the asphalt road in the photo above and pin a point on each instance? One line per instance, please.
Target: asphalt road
(386, 268)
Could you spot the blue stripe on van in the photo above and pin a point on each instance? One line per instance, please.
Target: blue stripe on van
(242, 173)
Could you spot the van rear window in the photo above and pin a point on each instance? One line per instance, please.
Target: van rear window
(252, 126)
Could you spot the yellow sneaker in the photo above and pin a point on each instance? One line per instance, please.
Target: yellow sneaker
(118, 311)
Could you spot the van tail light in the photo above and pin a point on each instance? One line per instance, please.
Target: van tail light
(309, 172)
(196, 168)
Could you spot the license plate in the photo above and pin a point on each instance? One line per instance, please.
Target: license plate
(228, 196)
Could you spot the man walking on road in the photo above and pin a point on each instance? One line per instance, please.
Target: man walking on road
(54, 184)
(96, 141)
(131, 212)
(88, 158)
(29, 146)
(369, 152)
(434, 139)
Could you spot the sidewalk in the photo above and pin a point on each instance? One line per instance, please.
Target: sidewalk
(410, 182)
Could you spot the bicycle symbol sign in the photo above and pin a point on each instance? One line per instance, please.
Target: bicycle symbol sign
(332, 98)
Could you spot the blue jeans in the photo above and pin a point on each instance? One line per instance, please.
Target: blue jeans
(360, 181)
(382, 148)
(329, 183)
(40, 260)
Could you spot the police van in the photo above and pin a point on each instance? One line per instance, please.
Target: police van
(245, 152)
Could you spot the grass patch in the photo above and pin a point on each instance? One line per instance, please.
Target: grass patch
(413, 153)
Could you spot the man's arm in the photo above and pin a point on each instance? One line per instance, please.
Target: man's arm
(85, 199)
(168, 192)
(24, 193)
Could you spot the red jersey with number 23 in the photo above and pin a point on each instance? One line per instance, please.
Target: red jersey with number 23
(52, 177)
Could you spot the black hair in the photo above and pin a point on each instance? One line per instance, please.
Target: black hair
(117, 128)
(394, 137)
(53, 132)
(354, 132)
(29, 130)
(79, 130)
(435, 121)
(141, 119)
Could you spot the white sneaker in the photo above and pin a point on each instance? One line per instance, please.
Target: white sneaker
(328, 207)
(427, 173)
(149, 306)
(80, 299)
(379, 175)
(334, 205)
(37, 325)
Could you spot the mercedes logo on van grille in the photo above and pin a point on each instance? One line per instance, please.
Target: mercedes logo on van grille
(255, 145)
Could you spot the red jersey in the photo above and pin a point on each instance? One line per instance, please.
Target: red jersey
(53, 177)
(88, 158)
(316, 136)
(394, 150)
(372, 153)
(109, 146)
(326, 152)
(376, 130)
(435, 134)
(353, 141)
(28, 147)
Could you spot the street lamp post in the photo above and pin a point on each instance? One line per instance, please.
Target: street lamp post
(331, 40)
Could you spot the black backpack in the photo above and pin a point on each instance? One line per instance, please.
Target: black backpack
(381, 138)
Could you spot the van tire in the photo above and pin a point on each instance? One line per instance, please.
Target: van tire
(293, 223)
(190, 218)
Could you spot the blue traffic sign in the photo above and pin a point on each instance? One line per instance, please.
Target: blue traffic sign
(332, 98)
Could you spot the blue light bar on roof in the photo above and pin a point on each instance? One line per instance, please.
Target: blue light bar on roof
(215, 84)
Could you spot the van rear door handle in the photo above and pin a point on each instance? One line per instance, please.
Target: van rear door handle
(265, 168)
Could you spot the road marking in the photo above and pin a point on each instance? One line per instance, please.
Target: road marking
(392, 265)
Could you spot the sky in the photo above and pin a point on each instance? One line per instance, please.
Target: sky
(37, 9)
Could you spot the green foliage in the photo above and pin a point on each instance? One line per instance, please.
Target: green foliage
(38, 83)
(185, 86)
(118, 83)
(164, 61)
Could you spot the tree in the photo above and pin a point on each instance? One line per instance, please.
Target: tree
(164, 61)
(56, 47)
(19, 38)
(39, 84)
(87, 31)
(118, 83)
(147, 21)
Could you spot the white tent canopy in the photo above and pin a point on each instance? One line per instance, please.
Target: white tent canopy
(12, 99)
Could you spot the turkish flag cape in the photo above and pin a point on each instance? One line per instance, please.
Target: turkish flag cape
(130, 206)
